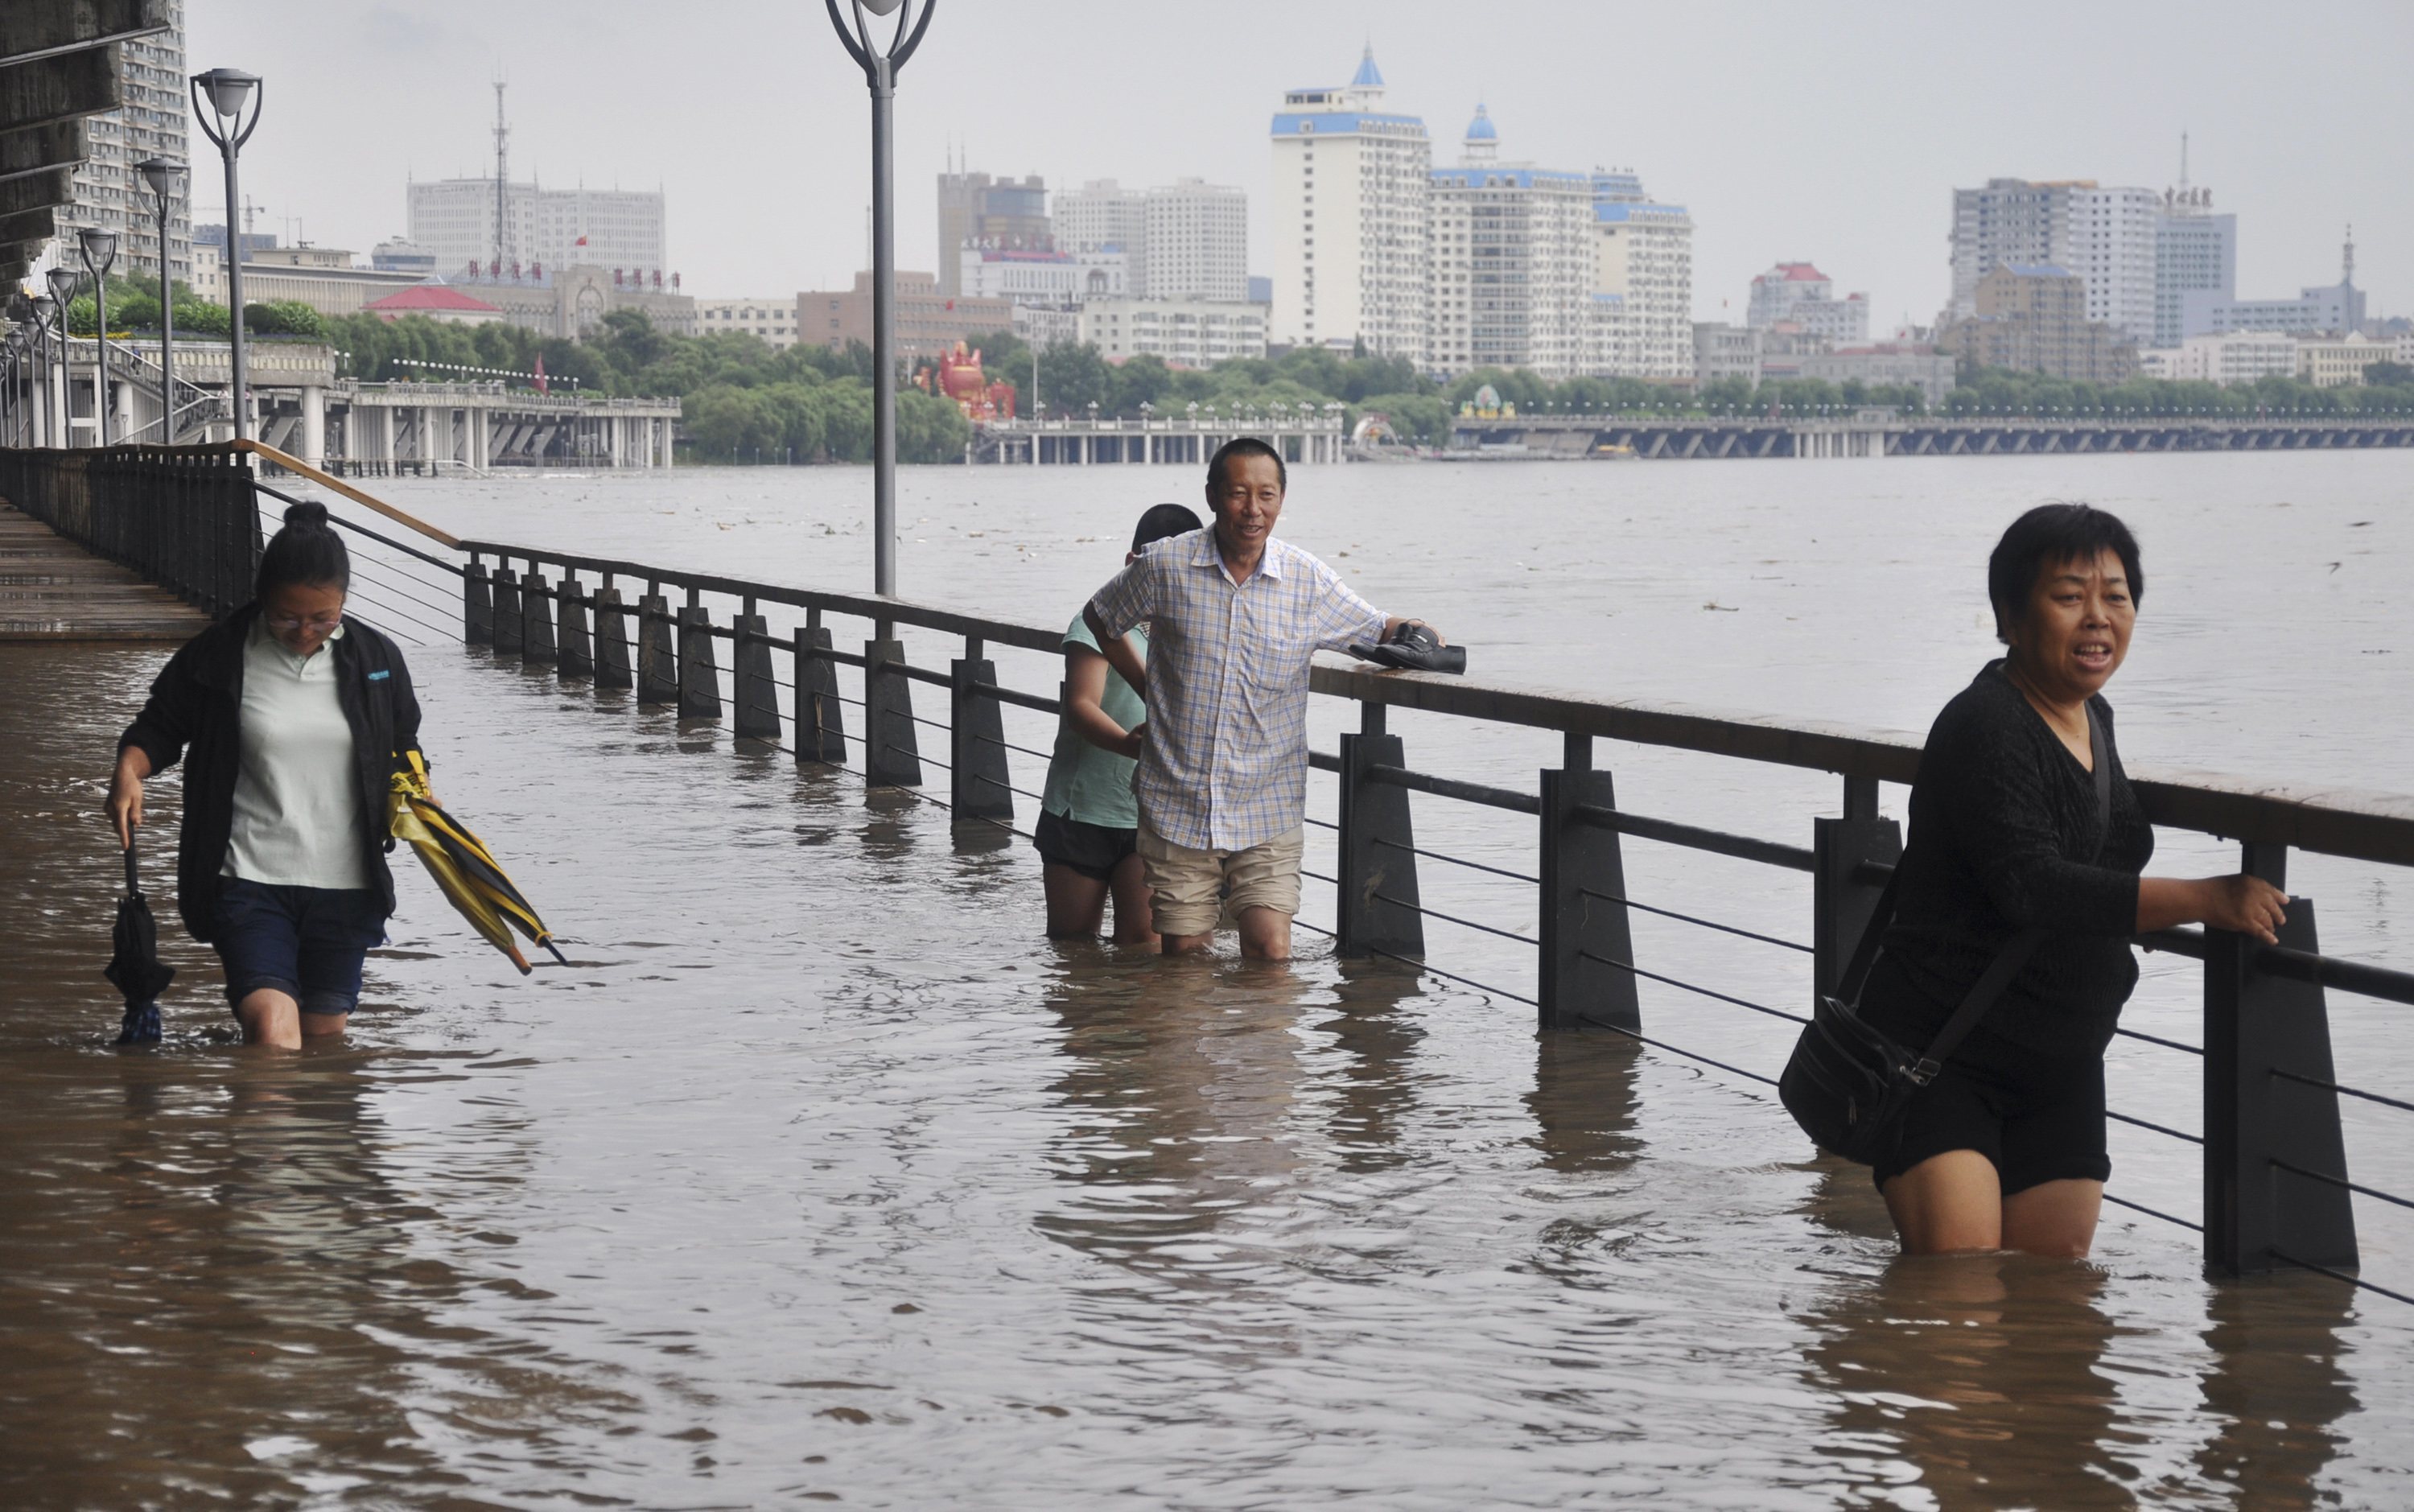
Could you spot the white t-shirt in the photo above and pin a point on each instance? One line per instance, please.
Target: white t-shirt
(297, 798)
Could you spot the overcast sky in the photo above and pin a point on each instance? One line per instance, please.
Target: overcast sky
(1834, 133)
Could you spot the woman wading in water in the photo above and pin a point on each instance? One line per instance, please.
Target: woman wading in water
(292, 718)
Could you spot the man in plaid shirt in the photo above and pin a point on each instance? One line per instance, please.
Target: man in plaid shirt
(1233, 618)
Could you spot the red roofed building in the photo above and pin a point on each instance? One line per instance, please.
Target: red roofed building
(1799, 295)
(438, 302)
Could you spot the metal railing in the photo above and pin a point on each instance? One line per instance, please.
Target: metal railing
(2277, 1189)
(183, 516)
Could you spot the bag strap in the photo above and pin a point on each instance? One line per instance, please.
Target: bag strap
(1865, 955)
(2016, 952)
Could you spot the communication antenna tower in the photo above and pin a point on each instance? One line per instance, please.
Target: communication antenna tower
(502, 178)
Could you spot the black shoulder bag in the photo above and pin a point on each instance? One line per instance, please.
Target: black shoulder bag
(1847, 1084)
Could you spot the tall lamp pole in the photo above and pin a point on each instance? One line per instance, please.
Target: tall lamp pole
(160, 175)
(880, 65)
(63, 282)
(99, 249)
(13, 349)
(219, 96)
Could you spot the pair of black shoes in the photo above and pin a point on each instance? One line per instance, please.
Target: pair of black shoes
(1414, 649)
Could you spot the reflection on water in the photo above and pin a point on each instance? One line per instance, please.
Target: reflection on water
(824, 1174)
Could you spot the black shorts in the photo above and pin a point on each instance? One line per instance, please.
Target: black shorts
(308, 943)
(1095, 850)
(2037, 1117)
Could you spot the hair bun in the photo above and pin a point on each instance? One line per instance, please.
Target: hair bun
(305, 514)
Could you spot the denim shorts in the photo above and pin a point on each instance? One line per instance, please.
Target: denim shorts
(305, 942)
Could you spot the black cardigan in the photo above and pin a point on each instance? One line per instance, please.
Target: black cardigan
(197, 704)
(2003, 827)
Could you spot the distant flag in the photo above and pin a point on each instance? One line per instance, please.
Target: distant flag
(582, 241)
(539, 374)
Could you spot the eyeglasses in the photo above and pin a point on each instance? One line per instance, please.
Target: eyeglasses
(320, 621)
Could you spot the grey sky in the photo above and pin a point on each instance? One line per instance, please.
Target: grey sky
(1828, 132)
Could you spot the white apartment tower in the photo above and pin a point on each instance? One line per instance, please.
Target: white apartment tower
(453, 218)
(2105, 235)
(1512, 263)
(1198, 242)
(1102, 215)
(1642, 280)
(1351, 189)
(108, 193)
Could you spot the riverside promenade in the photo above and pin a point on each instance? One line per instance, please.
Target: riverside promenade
(818, 1175)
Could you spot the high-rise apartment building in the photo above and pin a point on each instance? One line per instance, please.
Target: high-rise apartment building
(2196, 252)
(1352, 181)
(106, 192)
(1100, 215)
(1004, 213)
(453, 220)
(1511, 262)
(1184, 240)
(1798, 295)
(1643, 282)
(2105, 236)
(2034, 318)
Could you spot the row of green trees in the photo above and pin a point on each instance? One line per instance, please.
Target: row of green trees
(135, 306)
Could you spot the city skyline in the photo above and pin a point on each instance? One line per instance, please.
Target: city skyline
(1770, 140)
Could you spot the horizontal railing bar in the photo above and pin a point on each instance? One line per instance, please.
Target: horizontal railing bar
(991, 739)
(329, 481)
(2356, 1186)
(1693, 837)
(2356, 1281)
(1739, 1002)
(1458, 861)
(2153, 1212)
(1465, 792)
(2158, 1039)
(1454, 919)
(1321, 823)
(1705, 923)
(2159, 1128)
(438, 563)
(1020, 699)
(1323, 761)
(2398, 1103)
(2297, 965)
(921, 674)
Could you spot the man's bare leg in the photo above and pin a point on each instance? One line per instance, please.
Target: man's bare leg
(1265, 934)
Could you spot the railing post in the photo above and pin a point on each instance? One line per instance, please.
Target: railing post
(821, 722)
(2254, 1025)
(1842, 900)
(752, 686)
(1376, 902)
(699, 675)
(890, 755)
(537, 648)
(1584, 913)
(477, 604)
(578, 651)
(510, 629)
(611, 640)
(977, 775)
(657, 663)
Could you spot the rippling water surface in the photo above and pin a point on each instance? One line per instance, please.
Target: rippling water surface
(819, 1176)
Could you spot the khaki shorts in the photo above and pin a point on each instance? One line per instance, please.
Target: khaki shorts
(1183, 884)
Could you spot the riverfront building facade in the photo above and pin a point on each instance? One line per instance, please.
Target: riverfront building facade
(975, 208)
(1798, 295)
(621, 230)
(929, 323)
(1643, 283)
(768, 318)
(1512, 263)
(2034, 318)
(2103, 236)
(2195, 254)
(1352, 181)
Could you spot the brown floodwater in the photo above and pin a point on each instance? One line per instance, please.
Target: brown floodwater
(817, 1175)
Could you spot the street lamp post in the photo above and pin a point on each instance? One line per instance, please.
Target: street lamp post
(99, 250)
(160, 174)
(12, 350)
(219, 96)
(63, 283)
(880, 65)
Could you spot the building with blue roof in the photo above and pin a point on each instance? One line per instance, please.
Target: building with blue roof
(1511, 261)
(1350, 220)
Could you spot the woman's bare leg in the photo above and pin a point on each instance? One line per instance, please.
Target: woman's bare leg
(1947, 1203)
(1135, 922)
(271, 1018)
(1076, 904)
(2054, 1217)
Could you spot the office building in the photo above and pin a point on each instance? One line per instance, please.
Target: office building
(1010, 213)
(1041, 278)
(1197, 244)
(1886, 364)
(400, 255)
(770, 319)
(2335, 309)
(104, 190)
(2102, 236)
(1103, 216)
(2034, 317)
(2339, 361)
(1798, 295)
(1722, 350)
(1186, 333)
(1643, 282)
(929, 321)
(1350, 183)
(2196, 253)
(2241, 357)
(620, 230)
(1511, 262)
(323, 278)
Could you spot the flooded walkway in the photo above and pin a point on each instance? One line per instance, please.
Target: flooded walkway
(819, 1177)
(50, 589)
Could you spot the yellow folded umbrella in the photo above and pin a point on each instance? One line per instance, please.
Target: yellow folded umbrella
(463, 866)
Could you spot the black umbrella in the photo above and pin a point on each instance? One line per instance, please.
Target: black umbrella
(136, 967)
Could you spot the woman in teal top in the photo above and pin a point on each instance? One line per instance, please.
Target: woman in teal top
(1088, 819)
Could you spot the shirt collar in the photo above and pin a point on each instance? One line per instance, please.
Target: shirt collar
(1208, 554)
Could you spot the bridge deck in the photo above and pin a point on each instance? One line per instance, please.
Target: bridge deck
(53, 590)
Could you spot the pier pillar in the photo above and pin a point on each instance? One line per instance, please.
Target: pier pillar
(1583, 915)
(313, 426)
(612, 668)
(1376, 902)
(2261, 1033)
(978, 777)
(751, 685)
(821, 723)
(537, 647)
(477, 604)
(510, 629)
(699, 675)
(1841, 899)
(577, 654)
(385, 436)
(891, 758)
(657, 663)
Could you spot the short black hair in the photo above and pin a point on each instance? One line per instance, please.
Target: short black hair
(1163, 522)
(1246, 446)
(2047, 534)
(306, 551)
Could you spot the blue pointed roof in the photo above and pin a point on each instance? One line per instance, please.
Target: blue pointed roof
(1481, 128)
(1367, 76)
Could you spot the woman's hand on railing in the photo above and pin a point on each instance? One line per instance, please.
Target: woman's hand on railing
(2241, 904)
(126, 794)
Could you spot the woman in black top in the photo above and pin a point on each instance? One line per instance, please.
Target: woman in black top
(2005, 1148)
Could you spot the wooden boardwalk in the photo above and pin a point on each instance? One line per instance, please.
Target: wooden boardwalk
(50, 589)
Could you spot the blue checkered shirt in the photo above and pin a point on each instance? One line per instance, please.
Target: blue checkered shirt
(1224, 766)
